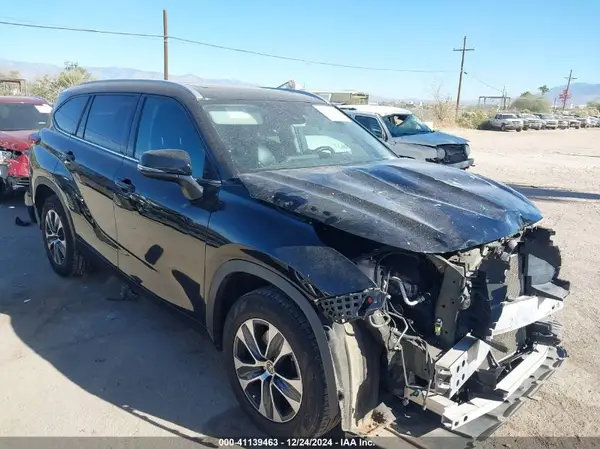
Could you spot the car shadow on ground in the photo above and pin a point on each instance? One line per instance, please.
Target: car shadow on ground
(138, 355)
(552, 194)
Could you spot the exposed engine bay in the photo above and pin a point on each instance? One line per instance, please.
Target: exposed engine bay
(454, 333)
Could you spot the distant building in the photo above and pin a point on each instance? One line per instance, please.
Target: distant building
(343, 97)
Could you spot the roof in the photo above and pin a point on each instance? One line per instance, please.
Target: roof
(208, 92)
(22, 99)
(355, 92)
(375, 109)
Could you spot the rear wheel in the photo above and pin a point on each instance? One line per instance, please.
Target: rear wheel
(274, 366)
(59, 240)
(519, 130)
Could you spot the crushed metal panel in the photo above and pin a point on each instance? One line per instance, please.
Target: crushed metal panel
(524, 311)
(455, 415)
(458, 364)
(419, 425)
(517, 376)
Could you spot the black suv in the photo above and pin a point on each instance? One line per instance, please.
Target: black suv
(327, 270)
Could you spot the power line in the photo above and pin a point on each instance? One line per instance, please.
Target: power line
(484, 83)
(221, 47)
(308, 61)
(83, 30)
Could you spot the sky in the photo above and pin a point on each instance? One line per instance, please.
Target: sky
(518, 44)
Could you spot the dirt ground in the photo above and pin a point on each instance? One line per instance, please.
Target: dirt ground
(75, 363)
(560, 171)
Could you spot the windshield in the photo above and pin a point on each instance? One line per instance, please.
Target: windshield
(270, 135)
(546, 116)
(405, 125)
(23, 116)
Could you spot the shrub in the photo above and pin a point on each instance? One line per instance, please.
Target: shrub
(474, 119)
(532, 103)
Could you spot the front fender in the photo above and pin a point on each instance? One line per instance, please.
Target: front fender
(316, 271)
(274, 278)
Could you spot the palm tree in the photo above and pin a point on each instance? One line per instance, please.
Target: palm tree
(543, 89)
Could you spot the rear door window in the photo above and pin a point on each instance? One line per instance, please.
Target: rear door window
(67, 116)
(109, 121)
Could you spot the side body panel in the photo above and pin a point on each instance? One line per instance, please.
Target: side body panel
(84, 182)
(162, 238)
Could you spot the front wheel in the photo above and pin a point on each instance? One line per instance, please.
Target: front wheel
(59, 240)
(274, 366)
(519, 130)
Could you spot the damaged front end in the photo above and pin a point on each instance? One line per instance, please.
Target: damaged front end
(458, 334)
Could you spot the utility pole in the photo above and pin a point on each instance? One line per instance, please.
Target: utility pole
(504, 98)
(462, 65)
(570, 78)
(166, 46)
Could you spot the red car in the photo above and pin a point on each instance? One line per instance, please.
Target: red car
(19, 118)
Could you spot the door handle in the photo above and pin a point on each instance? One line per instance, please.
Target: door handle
(125, 186)
(69, 157)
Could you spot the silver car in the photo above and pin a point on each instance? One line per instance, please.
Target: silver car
(530, 121)
(506, 122)
(573, 122)
(407, 136)
(550, 121)
(563, 123)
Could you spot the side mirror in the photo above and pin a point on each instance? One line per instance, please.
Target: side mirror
(165, 164)
(174, 166)
(34, 138)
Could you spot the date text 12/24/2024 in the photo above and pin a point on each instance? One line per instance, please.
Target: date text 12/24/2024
(296, 442)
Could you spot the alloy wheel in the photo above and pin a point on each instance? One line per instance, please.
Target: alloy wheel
(267, 370)
(55, 237)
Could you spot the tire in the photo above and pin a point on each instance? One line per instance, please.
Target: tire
(503, 127)
(519, 130)
(268, 305)
(72, 263)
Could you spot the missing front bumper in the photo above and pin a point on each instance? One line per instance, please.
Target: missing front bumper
(470, 358)
(421, 428)
(455, 415)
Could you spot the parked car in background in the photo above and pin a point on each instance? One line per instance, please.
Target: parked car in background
(573, 121)
(506, 122)
(586, 122)
(324, 274)
(408, 136)
(530, 121)
(596, 120)
(19, 117)
(550, 121)
(562, 122)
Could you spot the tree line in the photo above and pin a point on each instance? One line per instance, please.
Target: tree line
(48, 87)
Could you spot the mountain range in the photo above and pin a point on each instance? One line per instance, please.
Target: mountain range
(31, 71)
(581, 93)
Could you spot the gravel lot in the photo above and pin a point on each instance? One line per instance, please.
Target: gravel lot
(74, 363)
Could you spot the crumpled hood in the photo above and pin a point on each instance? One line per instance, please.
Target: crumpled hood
(15, 140)
(412, 205)
(432, 139)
